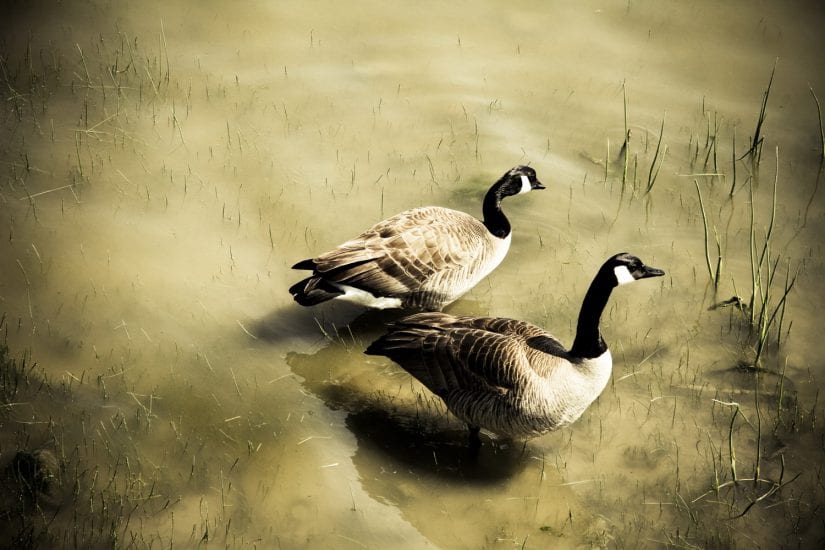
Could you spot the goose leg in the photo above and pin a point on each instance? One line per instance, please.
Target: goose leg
(474, 439)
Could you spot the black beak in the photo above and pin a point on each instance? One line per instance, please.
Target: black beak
(648, 271)
(536, 184)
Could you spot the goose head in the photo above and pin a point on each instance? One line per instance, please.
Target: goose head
(625, 268)
(519, 179)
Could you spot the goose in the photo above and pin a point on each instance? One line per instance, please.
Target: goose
(422, 258)
(511, 377)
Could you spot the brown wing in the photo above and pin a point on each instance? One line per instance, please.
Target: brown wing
(401, 253)
(542, 350)
(449, 353)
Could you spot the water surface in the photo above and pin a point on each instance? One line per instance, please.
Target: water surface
(165, 164)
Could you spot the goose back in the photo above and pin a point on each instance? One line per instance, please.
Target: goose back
(424, 258)
(508, 376)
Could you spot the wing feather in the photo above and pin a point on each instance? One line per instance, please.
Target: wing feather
(486, 346)
(400, 254)
(447, 353)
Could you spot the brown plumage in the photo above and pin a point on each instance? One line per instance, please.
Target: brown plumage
(423, 258)
(508, 376)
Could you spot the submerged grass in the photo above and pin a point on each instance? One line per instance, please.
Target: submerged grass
(714, 273)
(120, 495)
(625, 153)
(75, 468)
(653, 174)
(622, 162)
(763, 311)
(821, 129)
(755, 149)
(764, 304)
(46, 490)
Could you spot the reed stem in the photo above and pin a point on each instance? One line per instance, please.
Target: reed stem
(713, 276)
(821, 130)
(651, 175)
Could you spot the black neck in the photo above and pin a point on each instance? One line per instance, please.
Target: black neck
(589, 343)
(494, 219)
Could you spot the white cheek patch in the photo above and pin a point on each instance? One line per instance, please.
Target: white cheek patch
(525, 185)
(623, 275)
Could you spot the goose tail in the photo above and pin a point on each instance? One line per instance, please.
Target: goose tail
(421, 350)
(314, 290)
(396, 344)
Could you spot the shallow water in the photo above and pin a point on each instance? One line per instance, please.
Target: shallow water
(165, 164)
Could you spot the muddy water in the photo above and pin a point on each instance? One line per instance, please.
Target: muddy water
(165, 165)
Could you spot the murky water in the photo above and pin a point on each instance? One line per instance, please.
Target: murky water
(164, 166)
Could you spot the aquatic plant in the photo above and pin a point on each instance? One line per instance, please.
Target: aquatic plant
(713, 272)
(622, 161)
(764, 310)
(733, 163)
(755, 149)
(764, 304)
(653, 174)
(624, 151)
(821, 130)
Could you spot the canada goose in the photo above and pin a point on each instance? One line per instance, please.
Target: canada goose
(422, 258)
(507, 376)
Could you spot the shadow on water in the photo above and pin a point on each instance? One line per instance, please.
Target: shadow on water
(338, 319)
(425, 452)
(294, 323)
(398, 427)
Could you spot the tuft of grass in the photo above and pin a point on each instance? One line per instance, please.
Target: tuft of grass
(764, 306)
(755, 150)
(623, 158)
(764, 311)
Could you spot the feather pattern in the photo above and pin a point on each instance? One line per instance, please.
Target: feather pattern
(497, 373)
(422, 258)
(508, 376)
(410, 257)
